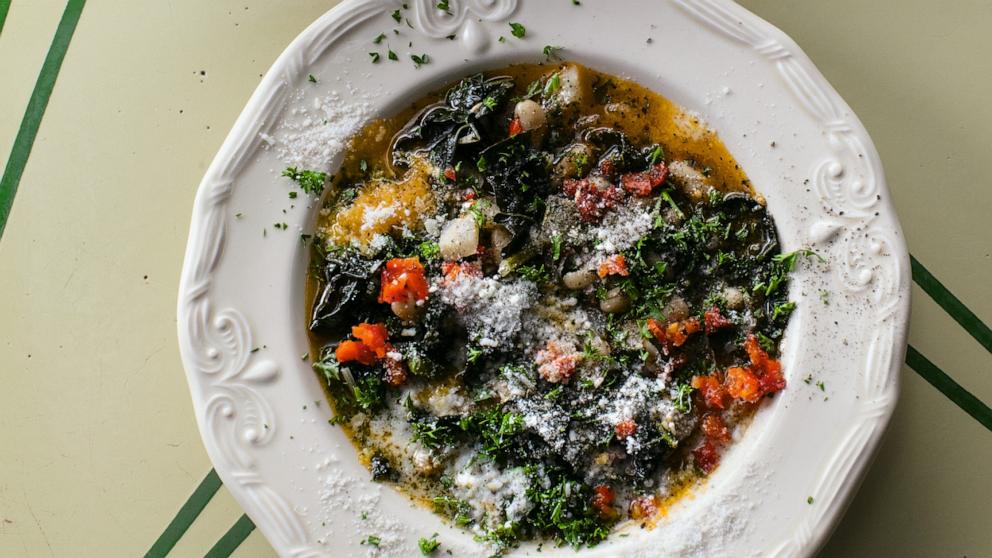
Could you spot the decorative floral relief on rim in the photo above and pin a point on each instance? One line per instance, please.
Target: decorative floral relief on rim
(849, 192)
(462, 19)
(236, 416)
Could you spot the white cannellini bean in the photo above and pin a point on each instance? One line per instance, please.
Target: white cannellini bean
(691, 181)
(406, 310)
(568, 165)
(500, 238)
(676, 309)
(614, 302)
(460, 238)
(570, 90)
(734, 297)
(530, 114)
(579, 279)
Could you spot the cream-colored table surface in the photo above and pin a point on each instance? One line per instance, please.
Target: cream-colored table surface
(98, 445)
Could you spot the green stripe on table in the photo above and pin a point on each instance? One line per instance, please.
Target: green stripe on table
(950, 303)
(4, 8)
(186, 515)
(940, 380)
(36, 106)
(232, 539)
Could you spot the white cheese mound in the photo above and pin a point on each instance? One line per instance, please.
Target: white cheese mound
(545, 419)
(623, 227)
(635, 397)
(311, 137)
(372, 217)
(489, 309)
(496, 497)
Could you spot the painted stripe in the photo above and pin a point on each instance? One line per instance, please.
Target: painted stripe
(950, 303)
(4, 8)
(232, 539)
(938, 379)
(185, 516)
(36, 107)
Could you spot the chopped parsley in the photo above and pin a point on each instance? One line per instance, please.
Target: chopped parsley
(429, 546)
(392, 56)
(311, 182)
(429, 250)
(551, 52)
(372, 540)
(375, 57)
(657, 154)
(311, 78)
(553, 85)
(379, 38)
(517, 30)
(420, 60)
(397, 16)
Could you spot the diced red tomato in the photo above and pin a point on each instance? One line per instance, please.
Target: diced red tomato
(516, 127)
(602, 499)
(743, 384)
(678, 332)
(656, 329)
(625, 429)
(757, 355)
(371, 347)
(715, 321)
(772, 380)
(469, 195)
(707, 457)
(711, 389)
(451, 270)
(643, 507)
(607, 167)
(592, 201)
(570, 186)
(674, 334)
(767, 369)
(450, 174)
(613, 265)
(403, 279)
(556, 362)
(643, 183)
(715, 429)
(374, 336)
(349, 351)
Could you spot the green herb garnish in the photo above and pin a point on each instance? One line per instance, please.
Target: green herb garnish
(311, 182)
(420, 60)
(429, 546)
(553, 85)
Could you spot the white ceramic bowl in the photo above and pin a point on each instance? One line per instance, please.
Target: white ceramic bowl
(779, 491)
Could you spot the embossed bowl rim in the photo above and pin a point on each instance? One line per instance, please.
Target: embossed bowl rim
(780, 489)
